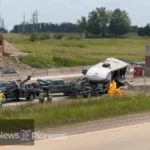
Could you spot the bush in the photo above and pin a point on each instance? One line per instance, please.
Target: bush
(33, 38)
(44, 37)
(74, 37)
(58, 36)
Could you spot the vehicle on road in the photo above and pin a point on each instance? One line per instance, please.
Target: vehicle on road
(96, 80)
(55, 86)
(7, 71)
(14, 90)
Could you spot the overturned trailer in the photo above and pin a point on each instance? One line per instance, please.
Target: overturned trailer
(97, 79)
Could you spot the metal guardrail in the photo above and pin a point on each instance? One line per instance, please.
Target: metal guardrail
(42, 72)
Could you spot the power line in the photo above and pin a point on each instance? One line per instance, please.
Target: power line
(36, 20)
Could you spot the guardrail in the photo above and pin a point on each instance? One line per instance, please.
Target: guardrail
(43, 72)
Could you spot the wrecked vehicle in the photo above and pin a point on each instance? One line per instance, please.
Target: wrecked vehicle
(97, 79)
(53, 86)
(14, 90)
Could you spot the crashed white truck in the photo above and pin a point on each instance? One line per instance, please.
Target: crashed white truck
(97, 79)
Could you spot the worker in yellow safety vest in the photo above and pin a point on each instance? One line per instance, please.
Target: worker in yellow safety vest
(41, 97)
(2, 98)
(50, 97)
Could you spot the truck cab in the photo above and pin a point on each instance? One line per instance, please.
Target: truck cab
(14, 90)
(55, 86)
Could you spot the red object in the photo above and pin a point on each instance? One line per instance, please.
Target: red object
(147, 61)
(138, 72)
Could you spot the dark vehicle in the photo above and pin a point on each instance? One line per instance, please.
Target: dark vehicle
(97, 79)
(82, 87)
(8, 71)
(15, 90)
(55, 86)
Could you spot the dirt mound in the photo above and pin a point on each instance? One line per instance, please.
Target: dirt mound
(13, 60)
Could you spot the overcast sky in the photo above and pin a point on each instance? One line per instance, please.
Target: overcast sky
(70, 10)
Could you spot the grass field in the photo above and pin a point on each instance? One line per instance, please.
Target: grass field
(70, 112)
(64, 52)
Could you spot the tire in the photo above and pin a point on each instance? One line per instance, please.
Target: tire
(18, 99)
(31, 97)
(66, 94)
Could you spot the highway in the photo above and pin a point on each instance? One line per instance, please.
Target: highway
(134, 137)
(56, 98)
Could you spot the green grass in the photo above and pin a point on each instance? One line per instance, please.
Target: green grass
(79, 52)
(70, 112)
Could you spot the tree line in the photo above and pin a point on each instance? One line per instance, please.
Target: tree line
(106, 22)
(65, 27)
(99, 22)
(144, 31)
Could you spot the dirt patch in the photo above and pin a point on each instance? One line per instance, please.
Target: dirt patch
(13, 60)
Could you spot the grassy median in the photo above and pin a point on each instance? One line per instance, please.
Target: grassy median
(76, 111)
(66, 53)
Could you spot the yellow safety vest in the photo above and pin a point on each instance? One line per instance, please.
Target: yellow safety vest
(50, 95)
(1, 97)
(41, 96)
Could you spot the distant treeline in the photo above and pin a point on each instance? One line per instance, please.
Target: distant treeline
(46, 27)
(99, 22)
(2, 30)
(144, 31)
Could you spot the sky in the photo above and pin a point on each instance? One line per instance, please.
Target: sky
(57, 11)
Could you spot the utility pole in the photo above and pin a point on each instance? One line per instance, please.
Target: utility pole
(36, 19)
(3, 24)
(33, 22)
(24, 23)
(0, 21)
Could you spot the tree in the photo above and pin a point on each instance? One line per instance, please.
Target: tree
(98, 21)
(141, 31)
(46, 27)
(120, 23)
(134, 29)
(82, 24)
(147, 30)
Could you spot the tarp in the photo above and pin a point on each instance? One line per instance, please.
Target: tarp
(113, 90)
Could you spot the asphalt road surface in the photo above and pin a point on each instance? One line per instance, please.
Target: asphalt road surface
(134, 137)
(56, 97)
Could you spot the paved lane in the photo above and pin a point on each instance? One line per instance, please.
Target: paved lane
(56, 97)
(135, 137)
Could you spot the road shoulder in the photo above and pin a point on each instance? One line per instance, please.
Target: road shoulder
(99, 125)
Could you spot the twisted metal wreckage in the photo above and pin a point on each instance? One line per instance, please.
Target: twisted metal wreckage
(97, 79)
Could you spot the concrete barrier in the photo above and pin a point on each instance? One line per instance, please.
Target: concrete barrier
(65, 71)
(26, 73)
(40, 72)
(53, 71)
(10, 76)
(23, 73)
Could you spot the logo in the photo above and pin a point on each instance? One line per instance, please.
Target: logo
(26, 135)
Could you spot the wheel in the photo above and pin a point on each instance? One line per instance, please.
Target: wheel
(31, 97)
(66, 94)
(18, 98)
